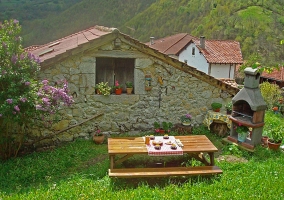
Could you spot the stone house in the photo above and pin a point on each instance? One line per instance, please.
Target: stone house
(217, 58)
(105, 54)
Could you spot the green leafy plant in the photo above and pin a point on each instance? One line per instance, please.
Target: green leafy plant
(103, 88)
(229, 106)
(129, 84)
(271, 93)
(274, 126)
(216, 105)
(167, 126)
(241, 129)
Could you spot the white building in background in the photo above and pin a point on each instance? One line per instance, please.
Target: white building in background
(217, 58)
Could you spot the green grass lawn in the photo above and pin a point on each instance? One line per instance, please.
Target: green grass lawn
(78, 170)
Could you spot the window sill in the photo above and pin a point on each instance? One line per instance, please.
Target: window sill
(113, 98)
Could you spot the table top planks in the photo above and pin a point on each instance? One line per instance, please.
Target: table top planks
(136, 145)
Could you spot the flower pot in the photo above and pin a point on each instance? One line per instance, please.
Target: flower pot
(272, 145)
(129, 90)
(118, 91)
(264, 140)
(242, 137)
(217, 110)
(98, 91)
(162, 131)
(99, 139)
(186, 123)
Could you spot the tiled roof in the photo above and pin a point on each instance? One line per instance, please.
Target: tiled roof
(276, 74)
(173, 44)
(216, 51)
(62, 45)
(221, 51)
(96, 36)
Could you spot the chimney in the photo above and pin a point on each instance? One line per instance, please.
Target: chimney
(202, 42)
(152, 40)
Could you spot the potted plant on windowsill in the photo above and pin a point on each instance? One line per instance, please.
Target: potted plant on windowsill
(129, 87)
(117, 88)
(103, 88)
(98, 137)
(216, 106)
(186, 119)
(242, 132)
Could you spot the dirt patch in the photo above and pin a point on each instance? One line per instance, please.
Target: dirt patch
(231, 158)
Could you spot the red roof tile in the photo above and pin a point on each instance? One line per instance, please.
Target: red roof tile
(60, 46)
(221, 51)
(276, 74)
(172, 45)
(216, 51)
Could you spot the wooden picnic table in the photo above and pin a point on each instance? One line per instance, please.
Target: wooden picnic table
(195, 145)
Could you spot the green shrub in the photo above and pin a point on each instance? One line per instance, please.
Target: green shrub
(271, 93)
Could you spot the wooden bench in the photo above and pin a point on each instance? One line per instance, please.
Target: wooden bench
(162, 172)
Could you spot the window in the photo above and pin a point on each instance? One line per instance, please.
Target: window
(115, 69)
(193, 51)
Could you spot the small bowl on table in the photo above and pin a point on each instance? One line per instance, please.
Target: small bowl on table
(152, 137)
(166, 137)
(157, 147)
(157, 143)
(173, 146)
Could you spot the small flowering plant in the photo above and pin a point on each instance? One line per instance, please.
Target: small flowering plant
(98, 133)
(117, 85)
(103, 88)
(240, 129)
(186, 118)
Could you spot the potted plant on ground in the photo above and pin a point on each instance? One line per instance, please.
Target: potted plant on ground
(229, 106)
(98, 137)
(242, 132)
(117, 88)
(186, 119)
(103, 88)
(158, 128)
(276, 136)
(216, 106)
(129, 87)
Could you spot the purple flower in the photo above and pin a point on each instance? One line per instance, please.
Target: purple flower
(22, 56)
(188, 116)
(44, 82)
(14, 112)
(4, 45)
(0, 115)
(14, 59)
(45, 101)
(27, 83)
(16, 21)
(9, 101)
(23, 99)
(17, 108)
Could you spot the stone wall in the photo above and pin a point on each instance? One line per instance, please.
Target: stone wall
(179, 94)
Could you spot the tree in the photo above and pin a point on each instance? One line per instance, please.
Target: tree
(23, 99)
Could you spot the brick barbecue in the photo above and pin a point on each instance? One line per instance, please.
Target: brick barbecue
(249, 109)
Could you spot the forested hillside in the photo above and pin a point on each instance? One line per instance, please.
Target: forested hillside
(257, 24)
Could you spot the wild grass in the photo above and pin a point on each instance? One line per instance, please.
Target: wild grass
(79, 170)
